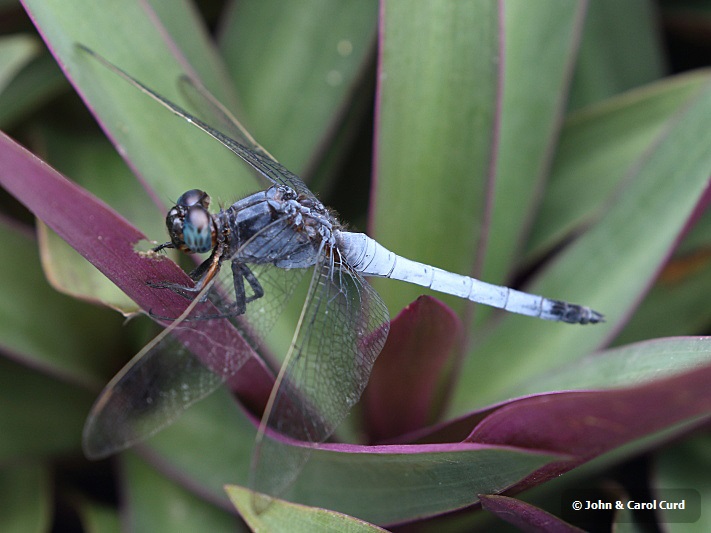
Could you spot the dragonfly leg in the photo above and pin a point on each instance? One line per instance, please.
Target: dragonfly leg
(200, 271)
(244, 272)
(201, 275)
(241, 272)
(163, 246)
(185, 291)
(181, 290)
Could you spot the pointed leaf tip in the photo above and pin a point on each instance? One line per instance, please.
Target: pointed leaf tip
(401, 394)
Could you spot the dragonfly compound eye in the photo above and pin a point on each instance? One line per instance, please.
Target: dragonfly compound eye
(198, 230)
(191, 229)
(194, 197)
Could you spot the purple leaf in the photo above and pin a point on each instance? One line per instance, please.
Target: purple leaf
(589, 423)
(525, 516)
(401, 394)
(107, 241)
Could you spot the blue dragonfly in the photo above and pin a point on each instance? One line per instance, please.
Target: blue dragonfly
(271, 239)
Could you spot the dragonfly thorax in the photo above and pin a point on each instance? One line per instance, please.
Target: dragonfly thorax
(191, 227)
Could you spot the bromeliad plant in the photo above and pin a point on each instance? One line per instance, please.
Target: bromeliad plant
(482, 165)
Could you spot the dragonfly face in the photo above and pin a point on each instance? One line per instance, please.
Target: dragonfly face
(190, 226)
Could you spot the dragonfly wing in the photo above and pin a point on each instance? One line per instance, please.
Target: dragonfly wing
(341, 331)
(212, 111)
(251, 153)
(237, 138)
(190, 358)
(187, 361)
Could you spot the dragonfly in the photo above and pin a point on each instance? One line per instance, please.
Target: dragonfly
(271, 239)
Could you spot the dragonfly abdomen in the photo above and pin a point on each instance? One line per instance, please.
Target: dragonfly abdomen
(370, 258)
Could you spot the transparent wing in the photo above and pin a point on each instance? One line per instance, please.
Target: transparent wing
(211, 110)
(342, 329)
(237, 138)
(153, 389)
(245, 147)
(186, 361)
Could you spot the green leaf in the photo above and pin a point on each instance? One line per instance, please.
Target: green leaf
(294, 73)
(34, 86)
(435, 115)
(599, 150)
(539, 49)
(193, 44)
(96, 517)
(156, 504)
(15, 52)
(38, 415)
(26, 498)
(168, 153)
(621, 49)
(394, 487)
(676, 305)
(609, 268)
(379, 484)
(44, 328)
(684, 466)
(217, 426)
(627, 366)
(626, 251)
(285, 516)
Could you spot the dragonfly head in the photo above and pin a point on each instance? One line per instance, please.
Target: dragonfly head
(190, 225)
